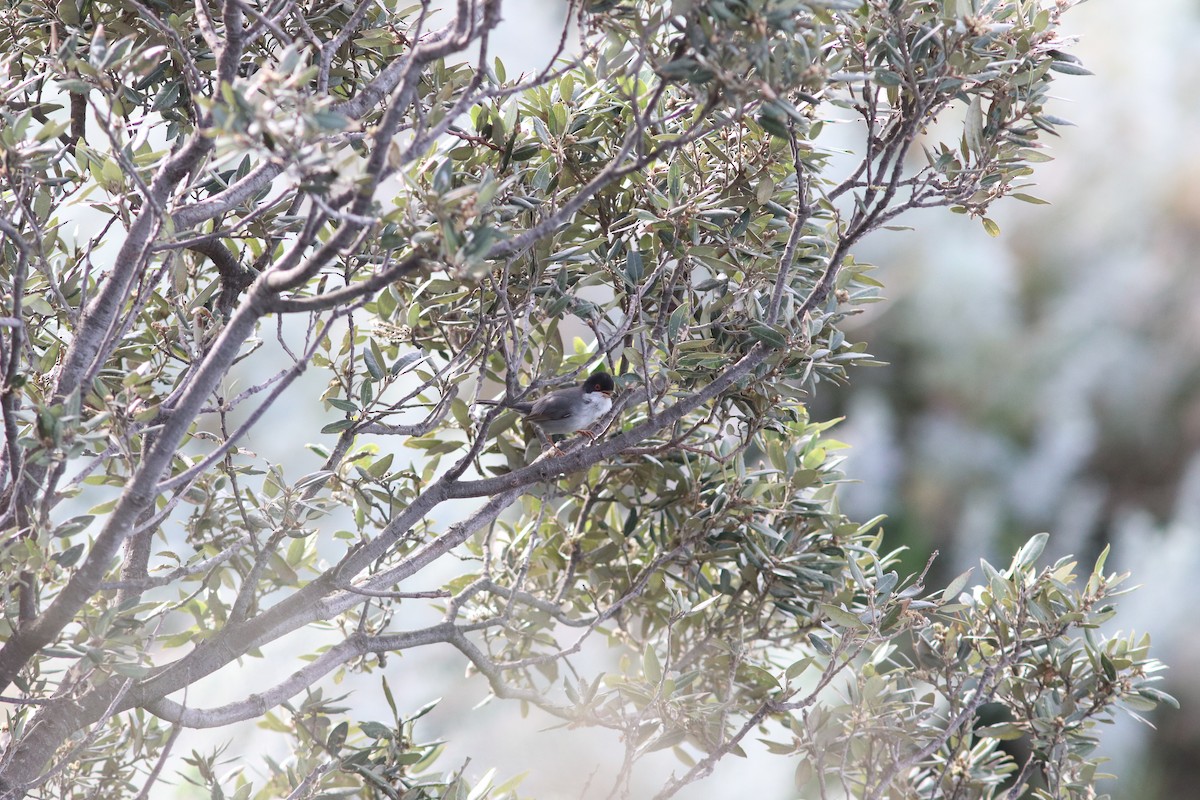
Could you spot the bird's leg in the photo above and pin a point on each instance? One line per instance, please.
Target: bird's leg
(562, 452)
(554, 444)
(543, 439)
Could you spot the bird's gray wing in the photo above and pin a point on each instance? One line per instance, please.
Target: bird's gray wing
(550, 408)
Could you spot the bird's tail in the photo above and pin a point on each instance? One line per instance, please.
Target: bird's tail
(524, 408)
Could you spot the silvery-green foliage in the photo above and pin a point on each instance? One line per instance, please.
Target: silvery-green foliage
(194, 195)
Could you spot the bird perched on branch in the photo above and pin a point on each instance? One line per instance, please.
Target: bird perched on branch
(570, 410)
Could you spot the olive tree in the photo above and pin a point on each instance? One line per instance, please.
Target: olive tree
(191, 195)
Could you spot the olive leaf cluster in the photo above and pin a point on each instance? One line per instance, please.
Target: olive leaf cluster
(203, 206)
(1020, 651)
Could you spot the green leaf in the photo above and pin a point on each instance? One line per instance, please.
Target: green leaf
(779, 748)
(634, 268)
(337, 737)
(381, 467)
(338, 426)
(675, 181)
(804, 773)
(1004, 731)
(773, 125)
(74, 525)
(974, 125)
(68, 557)
(770, 335)
(1067, 68)
(765, 190)
(651, 667)
(955, 587)
(387, 694)
(1098, 569)
(676, 322)
(376, 730)
(374, 362)
(443, 176)
(526, 151)
(764, 676)
(1110, 671)
(841, 616)
(483, 786)
(509, 785)
(1030, 552)
(796, 668)
(667, 739)
(425, 709)
(329, 120)
(1028, 198)
(1159, 696)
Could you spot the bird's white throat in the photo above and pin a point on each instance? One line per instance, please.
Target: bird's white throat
(595, 405)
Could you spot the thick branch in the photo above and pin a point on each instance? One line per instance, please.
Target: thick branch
(137, 496)
(234, 276)
(357, 644)
(347, 294)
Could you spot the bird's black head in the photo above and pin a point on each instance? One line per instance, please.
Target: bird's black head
(599, 382)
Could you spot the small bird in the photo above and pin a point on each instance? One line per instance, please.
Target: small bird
(568, 410)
